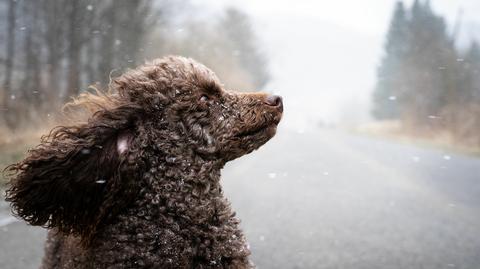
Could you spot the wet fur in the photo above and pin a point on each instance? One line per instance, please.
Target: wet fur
(137, 185)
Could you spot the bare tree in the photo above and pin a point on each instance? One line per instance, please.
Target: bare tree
(73, 48)
(7, 83)
(53, 17)
(80, 19)
(31, 84)
(108, 28)
(133, 18)
(238, 30)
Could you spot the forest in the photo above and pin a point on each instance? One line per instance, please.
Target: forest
(426, 80)
(55, 49)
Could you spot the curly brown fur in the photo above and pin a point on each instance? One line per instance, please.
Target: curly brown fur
(137, 185)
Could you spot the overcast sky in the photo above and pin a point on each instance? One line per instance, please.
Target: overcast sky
(323, 54)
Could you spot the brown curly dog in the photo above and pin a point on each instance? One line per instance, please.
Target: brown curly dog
(137, 185)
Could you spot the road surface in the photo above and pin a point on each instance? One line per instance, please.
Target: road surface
(326, 199)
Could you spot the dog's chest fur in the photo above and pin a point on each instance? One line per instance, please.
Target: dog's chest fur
(175, 222)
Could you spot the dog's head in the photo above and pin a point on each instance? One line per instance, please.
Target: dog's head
(187, 99)
(81, 175)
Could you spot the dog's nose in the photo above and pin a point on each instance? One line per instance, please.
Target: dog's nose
(274, 100)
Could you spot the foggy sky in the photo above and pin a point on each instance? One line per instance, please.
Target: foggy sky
(323, 54)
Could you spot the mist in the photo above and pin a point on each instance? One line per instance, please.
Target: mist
(374, 163)
(324, 56)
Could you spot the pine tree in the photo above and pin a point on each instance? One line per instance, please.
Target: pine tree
(471, 74)
(430, 66)
(390, 72)
(462, 113)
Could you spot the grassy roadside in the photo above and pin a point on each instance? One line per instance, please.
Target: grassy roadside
(14, 146)
(392, 130)
(10, 154)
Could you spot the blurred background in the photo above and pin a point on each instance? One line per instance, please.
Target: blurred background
(375, 164)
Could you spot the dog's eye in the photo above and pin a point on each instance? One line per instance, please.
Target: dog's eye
(204, 98)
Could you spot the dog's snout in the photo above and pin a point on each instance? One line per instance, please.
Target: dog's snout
(275, 101)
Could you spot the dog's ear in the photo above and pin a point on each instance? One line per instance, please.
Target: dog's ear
(78, 176)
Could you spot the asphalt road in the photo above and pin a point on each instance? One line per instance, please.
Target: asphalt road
(325, 199)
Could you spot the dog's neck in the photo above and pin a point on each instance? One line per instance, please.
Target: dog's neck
(184, 184)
